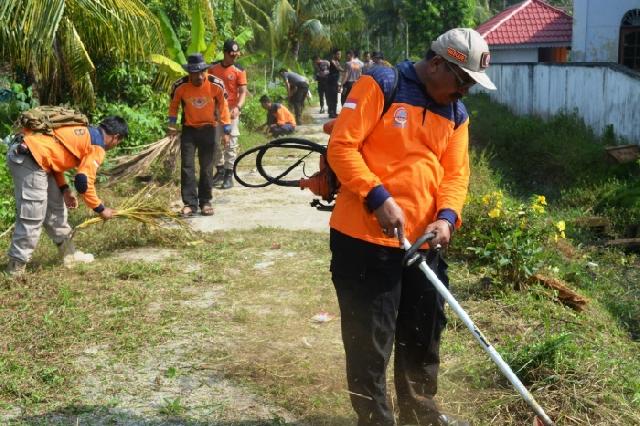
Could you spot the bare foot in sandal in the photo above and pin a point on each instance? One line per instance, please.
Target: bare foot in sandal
(187, 211)
(206, 209)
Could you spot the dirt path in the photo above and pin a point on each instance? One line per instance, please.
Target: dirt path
(272, 206)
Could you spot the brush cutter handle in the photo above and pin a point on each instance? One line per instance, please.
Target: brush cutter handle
(493, 354)
(412, 256)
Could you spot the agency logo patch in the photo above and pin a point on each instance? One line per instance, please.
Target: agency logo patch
(400, 117)
(79, 132)
(485, 58)
(231, 77)
(199, 102)
(456, 54)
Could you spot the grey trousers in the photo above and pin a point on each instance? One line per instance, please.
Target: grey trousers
(38, 202)
(227, 156)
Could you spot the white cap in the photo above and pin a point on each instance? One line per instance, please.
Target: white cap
(467, 49)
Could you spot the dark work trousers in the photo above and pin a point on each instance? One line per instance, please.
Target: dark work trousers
(322, 88)
(281, 129)
(203, 140)
(297, 101)
(346, 88)
(332, 94)
(382, 302)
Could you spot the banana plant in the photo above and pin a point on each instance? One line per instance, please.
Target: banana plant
(170, 66)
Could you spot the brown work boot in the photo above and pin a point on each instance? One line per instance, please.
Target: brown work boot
(15, 268)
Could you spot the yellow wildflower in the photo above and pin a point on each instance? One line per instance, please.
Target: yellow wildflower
(540, 199)
(561, 226)
(494, 213)
(537, 208)
(486, 199)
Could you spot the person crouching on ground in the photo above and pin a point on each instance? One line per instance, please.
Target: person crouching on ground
(403, 172)
(37, 163)
(204, 106)
(280, 121)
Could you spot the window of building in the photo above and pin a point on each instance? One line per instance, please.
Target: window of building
(629, 53)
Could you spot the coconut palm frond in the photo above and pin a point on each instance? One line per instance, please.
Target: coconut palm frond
(136, 164)
(77, 64)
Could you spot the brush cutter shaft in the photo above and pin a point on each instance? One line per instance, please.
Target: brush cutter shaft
(495, 356)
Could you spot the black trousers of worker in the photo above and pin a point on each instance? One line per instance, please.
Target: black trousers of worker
(203, 140)
(297, 101)
(382, 302)
(332, 95)
(322, 88)
(346, 88)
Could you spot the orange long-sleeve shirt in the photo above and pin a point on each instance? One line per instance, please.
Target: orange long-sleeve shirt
(417, 153)
(71, 147)
(204, 105)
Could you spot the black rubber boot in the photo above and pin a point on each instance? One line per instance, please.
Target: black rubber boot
(219, 176)
(228, 179)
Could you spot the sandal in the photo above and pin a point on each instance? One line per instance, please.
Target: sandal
(206, 209)
(187, 211)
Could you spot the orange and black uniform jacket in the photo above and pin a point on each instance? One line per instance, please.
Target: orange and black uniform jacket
(280, 115)
(233, 77)
(416, 152)
(205, 105)
(78, 147)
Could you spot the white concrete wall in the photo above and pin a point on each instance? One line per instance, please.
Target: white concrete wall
(602, 95)
(501, 56)
(596, 29)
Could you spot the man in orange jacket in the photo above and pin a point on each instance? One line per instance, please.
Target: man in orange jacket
(37, 163)
(280, 121)
(204, 107)
(404, 171)
(235, 83)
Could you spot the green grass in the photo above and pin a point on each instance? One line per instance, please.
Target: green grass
(88, 343)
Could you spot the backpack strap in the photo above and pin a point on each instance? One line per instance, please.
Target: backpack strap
(387, 78)
(391, 96)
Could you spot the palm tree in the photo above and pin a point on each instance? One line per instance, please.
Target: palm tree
(56, 42)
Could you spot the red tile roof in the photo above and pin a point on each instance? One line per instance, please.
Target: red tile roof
(529, 22)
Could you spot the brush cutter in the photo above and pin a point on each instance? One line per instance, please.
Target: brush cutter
(412, 256)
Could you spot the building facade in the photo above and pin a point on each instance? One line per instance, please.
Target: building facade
(606, 31)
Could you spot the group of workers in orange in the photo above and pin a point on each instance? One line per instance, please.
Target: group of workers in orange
(399, 148)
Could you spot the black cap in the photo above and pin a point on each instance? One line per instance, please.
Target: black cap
(230, 46)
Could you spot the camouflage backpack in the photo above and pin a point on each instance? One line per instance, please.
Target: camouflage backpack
(45, 118)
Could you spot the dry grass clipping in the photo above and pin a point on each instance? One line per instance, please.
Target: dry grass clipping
(146, 207)
(167, 148)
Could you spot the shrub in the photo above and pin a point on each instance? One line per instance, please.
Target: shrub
(14, 100)
(145, 125)
(7, 201)
(508, 236)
